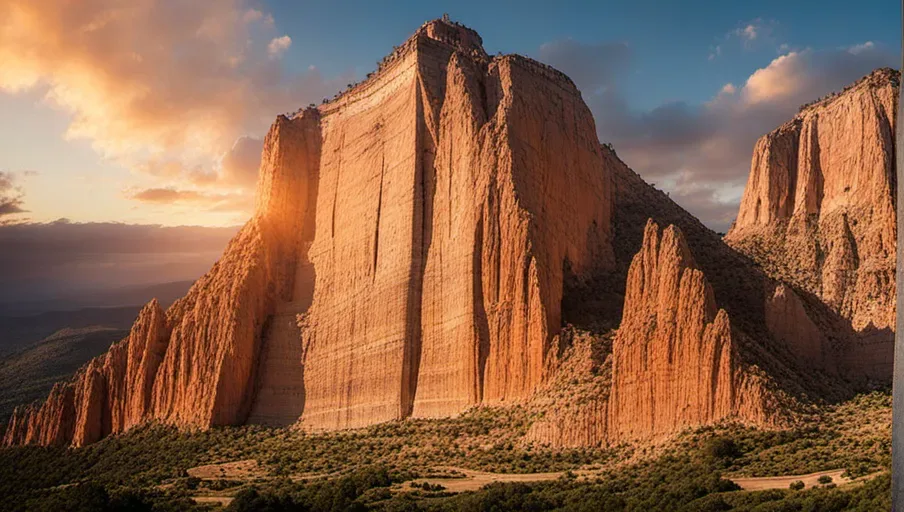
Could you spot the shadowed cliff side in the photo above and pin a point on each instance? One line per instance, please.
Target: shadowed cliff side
(739, 287)
(818, 212)
(673, 363)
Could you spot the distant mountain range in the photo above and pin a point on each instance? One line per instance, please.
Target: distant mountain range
(136, 296)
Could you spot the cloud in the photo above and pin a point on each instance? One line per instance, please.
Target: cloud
(44, 260)
(715, 52)
(168, 195)
(749, 32)
(278, 46)
(218, 202)
(701, 153)
(11, 196)
(860, 48)
(157, 85)
(750, 35)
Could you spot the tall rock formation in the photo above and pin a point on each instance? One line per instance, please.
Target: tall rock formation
(674, 363)
(441, 233)
(110, 394)
(408, 256)
(819, 213)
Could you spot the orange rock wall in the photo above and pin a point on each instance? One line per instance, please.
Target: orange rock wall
(818, 212)
(418, 229)
(434, 198)
(674, 362)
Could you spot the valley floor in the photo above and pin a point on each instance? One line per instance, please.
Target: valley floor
(478, 461)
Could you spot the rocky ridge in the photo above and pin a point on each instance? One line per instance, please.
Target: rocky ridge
(674, 361)
(818, 213)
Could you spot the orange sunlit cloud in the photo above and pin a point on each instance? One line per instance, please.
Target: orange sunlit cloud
(176, 91)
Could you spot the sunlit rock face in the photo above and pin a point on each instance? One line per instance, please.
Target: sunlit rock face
(819, 213)
(674, 361)
(407, 258)
(445, 220)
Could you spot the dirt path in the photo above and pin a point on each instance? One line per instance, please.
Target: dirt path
(474, 480)
(236, 470)
(783, 482)
(223, 501)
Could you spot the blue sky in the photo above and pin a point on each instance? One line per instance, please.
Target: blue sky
(155, 113)
(670, 41)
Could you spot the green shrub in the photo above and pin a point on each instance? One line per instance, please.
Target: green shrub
(722, 449)
(796, 485)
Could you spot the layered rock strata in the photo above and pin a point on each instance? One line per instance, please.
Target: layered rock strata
(818, 212)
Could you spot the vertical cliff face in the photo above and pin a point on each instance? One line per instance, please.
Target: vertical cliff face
(434, 199)
(407, 257)
(207, 376)
(549, 208)
(818, 210)
(674, 360)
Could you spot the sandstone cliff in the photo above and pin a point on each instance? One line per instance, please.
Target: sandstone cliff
(739, 287)
(818, 212)
(588, 405)
(674, 361)
(436, 197)
(407, 257)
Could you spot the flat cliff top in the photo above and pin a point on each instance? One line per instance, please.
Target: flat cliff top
(452, 35)
(879, 78)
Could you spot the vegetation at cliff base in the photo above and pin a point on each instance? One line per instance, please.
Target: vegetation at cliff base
(414, 465)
